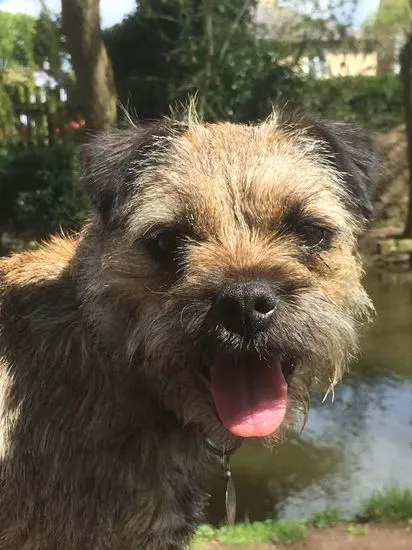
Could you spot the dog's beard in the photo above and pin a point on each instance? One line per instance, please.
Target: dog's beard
(248, 387)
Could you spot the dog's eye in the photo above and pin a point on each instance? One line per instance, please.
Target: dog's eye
(164, 246)
(312, 237)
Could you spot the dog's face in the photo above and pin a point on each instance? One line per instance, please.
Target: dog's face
(227, 259)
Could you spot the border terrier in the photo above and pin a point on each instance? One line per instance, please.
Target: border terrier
(216, 282)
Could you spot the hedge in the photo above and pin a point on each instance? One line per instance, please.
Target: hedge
(39, 191)
(372, 101)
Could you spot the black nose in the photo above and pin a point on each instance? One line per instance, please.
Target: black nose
(246, 308)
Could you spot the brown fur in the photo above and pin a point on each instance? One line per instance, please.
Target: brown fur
(103, 419)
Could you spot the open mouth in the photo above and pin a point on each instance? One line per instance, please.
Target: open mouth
(250, 394)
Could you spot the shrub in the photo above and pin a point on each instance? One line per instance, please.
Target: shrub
(392, 504)
(259, 532)
(39, 190)
(327, 518)
(373, 101)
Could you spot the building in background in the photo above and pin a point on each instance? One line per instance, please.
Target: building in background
(323, 48)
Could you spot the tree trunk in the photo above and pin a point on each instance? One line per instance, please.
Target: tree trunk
(385, 54)
(385, 40)
(406, 73)
(94, 73)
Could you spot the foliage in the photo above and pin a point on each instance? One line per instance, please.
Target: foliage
(327, 518)
(162, 53)
(44, 116)
(39, 192)
(308, 23)
(49, 48)
(27, 45)
(393, 16)
(6, 109)
(392, 504)
(278, 532)
(241, 72)
(166, 51)
(356, 529)
(372, 101)
(17, 33)
(288, 531)
(38, 189)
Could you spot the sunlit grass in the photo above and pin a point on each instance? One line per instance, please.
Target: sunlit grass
(277, 532)
(390, 505)
(356, 529)
(327, 518)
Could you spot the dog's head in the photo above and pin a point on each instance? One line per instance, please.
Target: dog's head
(224, 263)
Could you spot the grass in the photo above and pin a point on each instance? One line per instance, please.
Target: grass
(356, 530)
(391, 505)
(260, 532)
(328, 518)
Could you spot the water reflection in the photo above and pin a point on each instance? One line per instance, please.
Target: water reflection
(360, 443)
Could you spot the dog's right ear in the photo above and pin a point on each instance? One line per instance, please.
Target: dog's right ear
(351, 151)
(109, 163)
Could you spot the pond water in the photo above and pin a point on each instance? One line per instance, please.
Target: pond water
(361, 442)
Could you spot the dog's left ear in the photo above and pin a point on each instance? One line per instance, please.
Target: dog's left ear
(109, 166)
(352, 153)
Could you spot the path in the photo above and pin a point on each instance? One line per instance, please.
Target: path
(337, 538)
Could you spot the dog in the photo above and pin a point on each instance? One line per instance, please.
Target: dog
(216, 282)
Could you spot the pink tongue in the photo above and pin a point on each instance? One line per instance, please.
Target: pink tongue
(250, 399)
